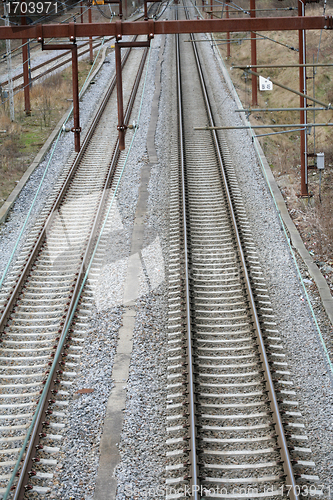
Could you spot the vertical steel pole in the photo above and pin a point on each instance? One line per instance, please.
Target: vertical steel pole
(254, 55)
(228, 33)
(194, 479)
(121, 127)
(314, 71)
(91, 55)
(303, 117)
(9, 66)
(145, 10)
(81, 10)
(29, 64)
(211, 9)
(76, 111)
(120, 9)
(26, 81)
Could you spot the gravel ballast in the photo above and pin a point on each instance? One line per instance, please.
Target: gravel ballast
(10, 230)
(143, 438)
(142, 446)
(306, 358)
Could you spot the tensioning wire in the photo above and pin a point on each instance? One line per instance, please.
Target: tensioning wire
(329, 362)
(44, 174)
(53, 12)
(292, 254)
(34, 79)
(60, 346)
(120, 177)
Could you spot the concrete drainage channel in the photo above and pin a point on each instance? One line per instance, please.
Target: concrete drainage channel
(106, 485)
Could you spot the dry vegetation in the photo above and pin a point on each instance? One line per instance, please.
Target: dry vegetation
(312, 216)
(49, 100)
(24, 137)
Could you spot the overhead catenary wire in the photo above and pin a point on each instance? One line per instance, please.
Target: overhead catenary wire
(38, 21)
(276, 41)
(44, 174)
(280, 132)
(240, 9)
(292, 252)
(103, 13)
(47, 61)
(45, 17)
(161, 13)
(52, 368)
(5, 100)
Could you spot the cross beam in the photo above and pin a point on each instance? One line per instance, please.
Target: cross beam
(152, 27)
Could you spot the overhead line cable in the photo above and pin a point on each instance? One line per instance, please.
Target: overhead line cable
(54, 11)
(45, 171)
(37, 21)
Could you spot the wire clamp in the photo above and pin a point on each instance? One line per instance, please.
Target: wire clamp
(328, 23)
(71, 30)
(151, 29)
(119, 30)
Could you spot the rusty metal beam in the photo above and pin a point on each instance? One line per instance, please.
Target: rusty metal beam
(75, 83)
(254, 55)
(122, 126)
(167, 27)
(91, 54)
(302, 103)
(228, 32)
(26, 81)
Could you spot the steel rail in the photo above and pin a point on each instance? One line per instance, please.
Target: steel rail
(28, 461)
(76, 287)
(50, 70)
(194, 479)
(35, 68)
(78, 30)
(42, 234)
(287, 465)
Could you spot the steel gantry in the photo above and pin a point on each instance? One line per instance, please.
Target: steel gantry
(150, 27)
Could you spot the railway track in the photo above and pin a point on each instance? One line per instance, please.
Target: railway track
(234, 427)
(51, 65)
(56, 62)
(43, 311)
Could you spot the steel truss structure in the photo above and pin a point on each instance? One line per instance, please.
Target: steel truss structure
(150, 27)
